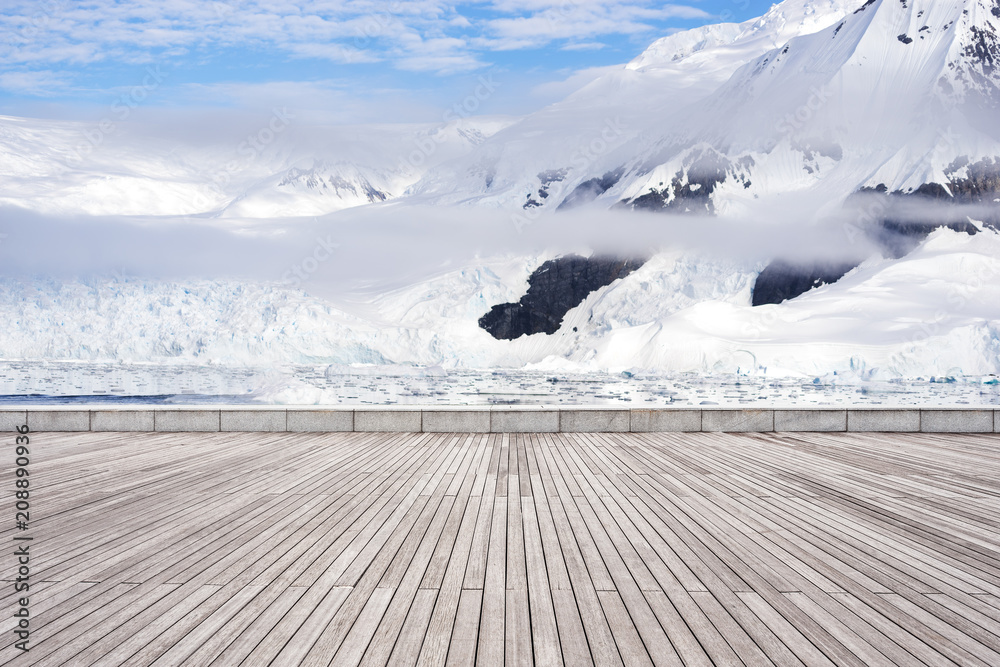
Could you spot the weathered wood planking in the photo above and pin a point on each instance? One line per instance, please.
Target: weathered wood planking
(511, 549)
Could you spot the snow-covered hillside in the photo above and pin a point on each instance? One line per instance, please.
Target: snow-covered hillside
(538, 161)
(272, 169)
(824, 96)
(821, 115)
(820, 97)
(892, 95)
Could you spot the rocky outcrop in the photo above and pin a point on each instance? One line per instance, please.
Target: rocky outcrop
(545, 180)
(553, 289)
(590, 190)
(691, 188)
(781, 280)
(896, 235)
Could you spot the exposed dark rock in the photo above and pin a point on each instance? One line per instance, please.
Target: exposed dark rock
(892, 231)
(545, 178)
(979, 68)
(553, 289)
(864, 6)
(898, 238)
(781, 280)
(590, 190)
(811, 149)
(905, 39)
(314, 180)
(690, 190)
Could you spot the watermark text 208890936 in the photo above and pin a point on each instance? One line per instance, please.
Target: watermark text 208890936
(22, 540)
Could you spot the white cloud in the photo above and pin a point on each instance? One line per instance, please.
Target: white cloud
(327, 101)
(39, 83)
(583, 46)
(414, 35)
(545, 21)
(554, 90)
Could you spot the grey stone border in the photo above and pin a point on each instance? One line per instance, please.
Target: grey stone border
(497, 419)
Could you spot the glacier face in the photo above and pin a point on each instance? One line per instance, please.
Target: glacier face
(933, 312)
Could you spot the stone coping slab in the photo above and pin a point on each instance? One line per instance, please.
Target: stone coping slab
(498, 419)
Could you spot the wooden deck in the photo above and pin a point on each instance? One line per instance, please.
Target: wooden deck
(440, 549)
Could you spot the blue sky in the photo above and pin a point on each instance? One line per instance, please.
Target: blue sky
(337, 61)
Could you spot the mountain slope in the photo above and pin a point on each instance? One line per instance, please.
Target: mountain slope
(892, 95)
(593, 131)
(65, 167)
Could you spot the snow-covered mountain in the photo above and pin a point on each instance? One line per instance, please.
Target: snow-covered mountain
(934, 312)
(828, 97)
(804, 116)
(587, 138)
(271, 169)
(897, 95)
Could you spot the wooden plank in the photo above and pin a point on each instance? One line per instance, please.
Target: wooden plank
(575, 549)
(312, 626)
(492, 622)
(544, 631)
(573, 638)
(465, 638)
(517, 629)
(406, 650)
(353, 648)
(264, 622)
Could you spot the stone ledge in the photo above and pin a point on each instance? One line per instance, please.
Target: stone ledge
(666, 420)
(319, 421)
(59, 420)
(197, 421)
(388, 421)
(594, 421)
(456, 421)
(262, 421)
(956, 421)
(11, 420)
(524, 421)
(748, 420)
(884, 421)
(816, 421)
(120, 421)
(502, 419)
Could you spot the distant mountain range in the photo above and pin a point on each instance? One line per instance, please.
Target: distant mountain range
(824, 96)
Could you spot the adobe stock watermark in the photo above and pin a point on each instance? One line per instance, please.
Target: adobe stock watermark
(728, 14)
(38, 21)
(610, 136)
(957, 297)
(817, 100)
(376, 24)
(303, 269)
(248, 149)
(121, 109)
(427, 145)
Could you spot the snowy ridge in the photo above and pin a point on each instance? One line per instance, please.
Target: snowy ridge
(604, 125)
(750, 39)
(820, 96)
(860, 103)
